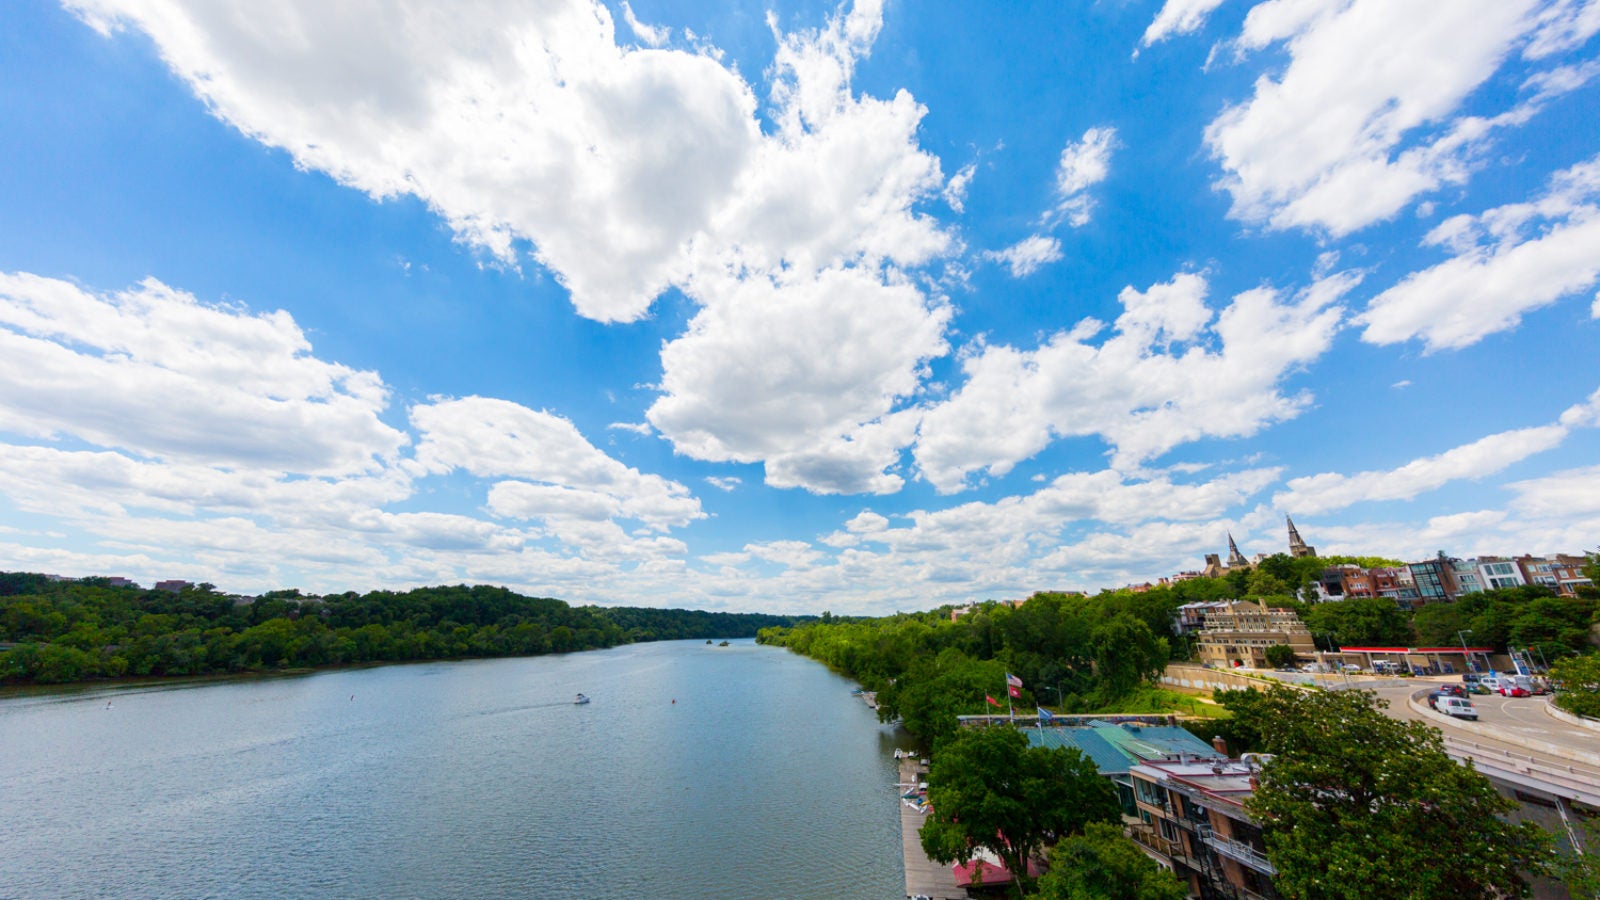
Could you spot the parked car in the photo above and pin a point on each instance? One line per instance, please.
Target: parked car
(1476, 688)
(1459, 707)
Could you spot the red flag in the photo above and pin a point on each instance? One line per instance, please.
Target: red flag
(1016, 692)
(992, 701)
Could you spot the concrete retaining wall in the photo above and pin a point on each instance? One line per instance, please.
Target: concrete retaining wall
(1201, 680)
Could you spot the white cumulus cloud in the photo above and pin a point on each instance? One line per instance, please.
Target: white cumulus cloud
(1178, 17)
(1332, 491)
(1167, 375)
(1508, 261)
(803, 376)
(530, 122)
(555, 472)
(1366, 115)
(1082, 165)
(155, 372)
(1028, 255)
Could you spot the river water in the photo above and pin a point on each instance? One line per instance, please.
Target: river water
(764, 778)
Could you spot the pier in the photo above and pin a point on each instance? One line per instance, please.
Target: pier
(924, 878)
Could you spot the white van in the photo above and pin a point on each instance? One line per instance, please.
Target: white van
(1460, 707)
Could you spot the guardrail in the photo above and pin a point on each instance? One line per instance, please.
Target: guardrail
(1571, 782)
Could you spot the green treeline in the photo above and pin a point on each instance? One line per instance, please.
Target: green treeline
(928, 669)
(1090, 654)
(72, 631)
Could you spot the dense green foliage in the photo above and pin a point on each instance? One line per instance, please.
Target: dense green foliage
(1579, 677)
(71, 631)
(1072, 652)
(1529, 616)
(990, 790)
(1103, 864)
(1280, 655)
(1085, 654)
(1355, 804)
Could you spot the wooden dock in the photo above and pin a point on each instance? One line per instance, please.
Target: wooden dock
(924, 878)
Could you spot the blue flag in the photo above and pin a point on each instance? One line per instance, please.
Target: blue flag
(1044, 715)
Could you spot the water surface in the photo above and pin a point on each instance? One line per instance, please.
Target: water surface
(763, 779)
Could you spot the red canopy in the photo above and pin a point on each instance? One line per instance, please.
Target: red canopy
(981, 872)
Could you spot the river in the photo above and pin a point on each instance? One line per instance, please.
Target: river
(696, 771)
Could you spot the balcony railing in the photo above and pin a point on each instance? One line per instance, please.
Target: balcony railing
(1236, 850)
(1148, 837)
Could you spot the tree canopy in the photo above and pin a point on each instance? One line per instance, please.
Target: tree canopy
(1103, 864)
(989, 789)
(1579, 677)
(74, 630)
(1073, 652)
(1355, 804)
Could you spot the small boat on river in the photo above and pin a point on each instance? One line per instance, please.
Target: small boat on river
(580, 701)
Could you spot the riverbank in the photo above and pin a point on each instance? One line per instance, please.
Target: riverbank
(924, 877)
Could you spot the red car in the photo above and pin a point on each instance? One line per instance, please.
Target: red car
(1513, 690)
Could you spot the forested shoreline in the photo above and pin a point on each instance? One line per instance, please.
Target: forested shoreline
(1079, 653)
(58, 631)
(1071, 652)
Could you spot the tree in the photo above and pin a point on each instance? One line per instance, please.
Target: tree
(1361, 621)
(1356, 804)
(990, 790)
(1280, 655)
(1579, 677)
(1126, 652)
(1263, 583)
(935, 691)
(1103, 864)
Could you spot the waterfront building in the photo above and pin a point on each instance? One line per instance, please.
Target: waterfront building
(1115, 748)
(1190, 818)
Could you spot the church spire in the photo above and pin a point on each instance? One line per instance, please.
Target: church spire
(1297, 547)
(1235, 558)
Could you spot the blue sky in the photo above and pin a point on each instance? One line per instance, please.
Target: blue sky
(792, 307)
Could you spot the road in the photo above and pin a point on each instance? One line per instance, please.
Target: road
(1515, 739)
(1524, 717)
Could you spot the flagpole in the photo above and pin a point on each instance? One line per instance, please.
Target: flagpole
(1010, 712)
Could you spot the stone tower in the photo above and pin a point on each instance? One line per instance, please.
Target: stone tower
(1297, 547)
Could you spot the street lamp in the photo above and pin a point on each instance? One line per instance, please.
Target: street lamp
(1339, 664)
(1466, 656)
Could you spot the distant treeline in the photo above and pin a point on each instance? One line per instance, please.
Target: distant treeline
(63, 631)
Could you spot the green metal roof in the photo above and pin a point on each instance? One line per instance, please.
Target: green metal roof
(1106, 758)
(1115, 748)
